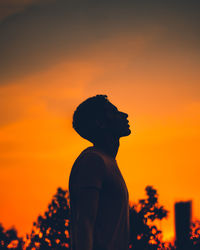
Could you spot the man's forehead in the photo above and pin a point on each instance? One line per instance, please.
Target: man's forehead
(110, 106)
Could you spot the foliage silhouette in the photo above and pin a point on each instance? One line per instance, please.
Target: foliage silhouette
(195, 234)
(51, 231)
(143, 233)
(9, 239)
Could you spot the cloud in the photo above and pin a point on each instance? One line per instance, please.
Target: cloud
(43, 95)
(11, 7)
(55, 31)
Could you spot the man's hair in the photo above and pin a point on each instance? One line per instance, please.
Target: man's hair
(86, 114)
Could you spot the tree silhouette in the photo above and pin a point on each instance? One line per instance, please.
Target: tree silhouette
(9, 239)
(143, 234)
(195, 234)
(51, 231)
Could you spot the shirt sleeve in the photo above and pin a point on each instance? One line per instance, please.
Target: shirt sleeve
(91, 172)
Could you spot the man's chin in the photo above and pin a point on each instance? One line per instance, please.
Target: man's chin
(127, 132)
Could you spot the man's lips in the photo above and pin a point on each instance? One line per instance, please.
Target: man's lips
(127, 123)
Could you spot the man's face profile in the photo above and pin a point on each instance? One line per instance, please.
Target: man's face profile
(116, 122)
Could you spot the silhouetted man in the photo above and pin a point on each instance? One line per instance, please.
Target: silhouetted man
(98, 194)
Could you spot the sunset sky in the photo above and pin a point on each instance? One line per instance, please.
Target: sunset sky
(145, 55)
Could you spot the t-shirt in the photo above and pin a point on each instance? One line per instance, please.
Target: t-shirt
(111, 229)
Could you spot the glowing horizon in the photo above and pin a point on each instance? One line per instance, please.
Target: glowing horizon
(147, 69)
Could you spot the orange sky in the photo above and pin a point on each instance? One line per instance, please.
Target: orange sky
(154, 79)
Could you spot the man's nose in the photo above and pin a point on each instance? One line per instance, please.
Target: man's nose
(124, 114)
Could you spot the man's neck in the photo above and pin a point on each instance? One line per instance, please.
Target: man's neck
(109, 145)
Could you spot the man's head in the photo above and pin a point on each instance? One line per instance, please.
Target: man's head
(96, 117)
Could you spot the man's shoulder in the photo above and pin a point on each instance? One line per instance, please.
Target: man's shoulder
(90, 155)
(87, 159)
(88, 169)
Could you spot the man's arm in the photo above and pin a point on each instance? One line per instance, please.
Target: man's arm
(87, 207)
(91, 174)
